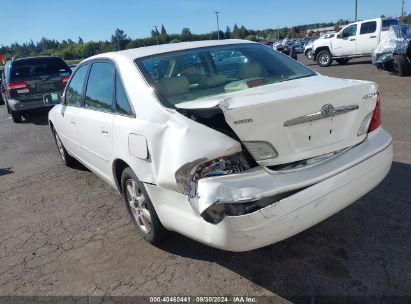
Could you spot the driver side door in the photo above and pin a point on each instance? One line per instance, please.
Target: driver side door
(345, 44)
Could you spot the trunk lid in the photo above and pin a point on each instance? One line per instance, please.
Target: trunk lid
(292, 115)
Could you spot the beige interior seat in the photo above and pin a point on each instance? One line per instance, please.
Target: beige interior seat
(213, 81)
(251, 70)
(174, 85)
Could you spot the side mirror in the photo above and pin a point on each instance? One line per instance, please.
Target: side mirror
(339, 35)
(52, 99)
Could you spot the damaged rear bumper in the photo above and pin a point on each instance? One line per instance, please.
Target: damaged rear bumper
(324, 190)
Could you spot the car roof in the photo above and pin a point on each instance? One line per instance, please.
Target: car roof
(132, 54)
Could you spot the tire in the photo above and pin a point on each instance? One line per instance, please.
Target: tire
(141, 208)
(15, 116)
(309, 54)
(401, 67)
(68, 160)
(324, 58)
(342, 61)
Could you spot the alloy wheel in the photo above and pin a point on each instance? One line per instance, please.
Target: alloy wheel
(324, 59)
(60, 146)
(137, 203)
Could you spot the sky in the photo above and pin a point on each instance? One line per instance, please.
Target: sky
(23, 20)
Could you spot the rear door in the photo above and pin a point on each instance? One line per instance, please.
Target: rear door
(34, 77)
(95, 119)
(346, 44)
(367, 39)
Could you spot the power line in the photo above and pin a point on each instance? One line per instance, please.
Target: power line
(218, 24)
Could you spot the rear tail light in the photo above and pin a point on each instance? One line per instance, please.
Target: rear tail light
(376, 116)
(17, 85)
(65, 79)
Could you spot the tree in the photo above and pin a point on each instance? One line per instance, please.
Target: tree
(236, 32)
(186, 34)
(163, 30)
(228, 33)
(80, 40)
(119, 39)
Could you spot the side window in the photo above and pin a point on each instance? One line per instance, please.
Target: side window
(122, 103)
(75, 87)
(349, 31)
(368, 27)
(99, 92)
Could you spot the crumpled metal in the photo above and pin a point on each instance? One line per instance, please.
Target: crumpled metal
(395, 43)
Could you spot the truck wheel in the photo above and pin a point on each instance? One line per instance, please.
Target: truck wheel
(342, 60)
(324, 58)
(141, 209)
(309, 54)
(401, 67)
(15, 116)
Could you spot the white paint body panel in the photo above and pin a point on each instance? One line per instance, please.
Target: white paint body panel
(170, 140)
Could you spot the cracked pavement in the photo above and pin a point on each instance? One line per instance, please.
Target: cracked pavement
(65, 232)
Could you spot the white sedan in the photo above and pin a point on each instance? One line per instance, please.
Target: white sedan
(226, 142)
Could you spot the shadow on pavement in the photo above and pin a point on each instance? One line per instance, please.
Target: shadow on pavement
(39, 117)
(361, 251)
(5, 171)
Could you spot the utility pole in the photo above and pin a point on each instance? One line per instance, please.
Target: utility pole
(402, 9)
(155, 32)
(218, 24)
(356, 10)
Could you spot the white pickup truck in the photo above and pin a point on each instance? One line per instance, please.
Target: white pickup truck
(356, 39)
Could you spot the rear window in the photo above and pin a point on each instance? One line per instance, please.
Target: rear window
(193, 74)
(34, 67)
(387, 23)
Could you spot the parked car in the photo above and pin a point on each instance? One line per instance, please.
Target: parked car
(26, 80)
(237, 155)
(1, 94)
(355, 40)
(394, 52)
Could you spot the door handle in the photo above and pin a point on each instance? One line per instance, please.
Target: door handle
(105, 131)
(73, 122)
(352, 39)
(373, 36)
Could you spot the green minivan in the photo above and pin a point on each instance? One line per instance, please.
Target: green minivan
(26, 80)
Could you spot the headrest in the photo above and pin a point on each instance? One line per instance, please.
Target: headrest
(174, 85)
(250, 70)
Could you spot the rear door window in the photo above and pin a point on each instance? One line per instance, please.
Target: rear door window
(35, 67)
(74, 89)
(100, 87)
(368, 27)
(122, 103)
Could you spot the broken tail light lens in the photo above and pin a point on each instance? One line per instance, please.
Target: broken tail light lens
(225, 165)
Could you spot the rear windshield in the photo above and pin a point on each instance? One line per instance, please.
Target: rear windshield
(33, 67)
(387, 23)
(200, 73)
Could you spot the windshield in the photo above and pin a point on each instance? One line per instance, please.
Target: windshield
(189, 75)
